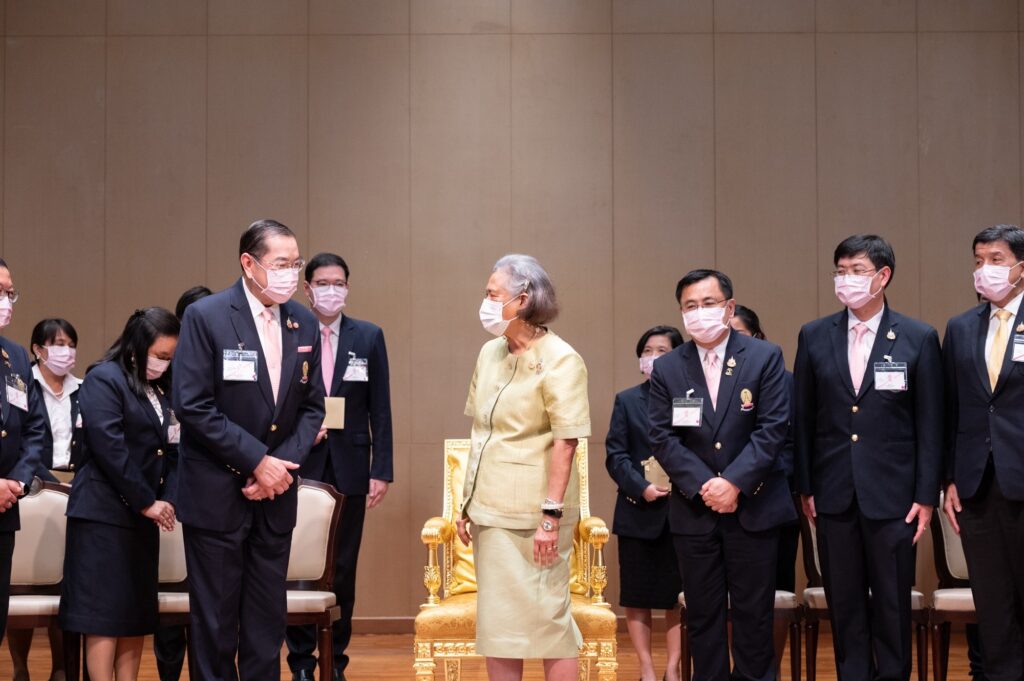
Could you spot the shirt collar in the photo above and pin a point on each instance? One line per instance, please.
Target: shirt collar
(257, 308)
(719, 349)
(872, 323)
(335, 326)
(71, 382)
(1013, 306)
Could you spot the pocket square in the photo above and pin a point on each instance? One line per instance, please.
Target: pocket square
(305, 348)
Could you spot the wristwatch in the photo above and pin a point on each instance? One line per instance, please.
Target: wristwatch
(553, 512)
(548, 526)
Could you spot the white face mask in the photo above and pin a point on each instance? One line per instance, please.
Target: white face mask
(647, 365)
(993, 281)
(490, 316)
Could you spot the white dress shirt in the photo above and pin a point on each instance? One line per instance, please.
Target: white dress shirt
(257, 308)
(58, 409)
(993, 322)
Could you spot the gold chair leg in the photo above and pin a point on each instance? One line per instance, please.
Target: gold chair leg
(607, 664)
(423, 665)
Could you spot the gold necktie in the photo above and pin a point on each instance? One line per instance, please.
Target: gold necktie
(998, 351)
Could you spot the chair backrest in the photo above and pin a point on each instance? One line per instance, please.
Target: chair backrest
(38, 562)
(172, 559)
(459, 570)
(311, 561)
(950, 562)
(809, 538)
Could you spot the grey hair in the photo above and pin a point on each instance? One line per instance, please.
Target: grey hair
(525, 275)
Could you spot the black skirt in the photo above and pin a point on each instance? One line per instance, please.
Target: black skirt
(649, 573)
(111, 578)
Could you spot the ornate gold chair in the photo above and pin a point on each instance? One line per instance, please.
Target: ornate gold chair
(446, 623)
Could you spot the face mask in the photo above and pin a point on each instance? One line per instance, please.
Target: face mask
(490, 316)
(281, 284)
(992, 281)
(60, 358)
(155, 367)
(854, 290)
(328, 300)
(705, 324)
(6, 310)
(647, 365)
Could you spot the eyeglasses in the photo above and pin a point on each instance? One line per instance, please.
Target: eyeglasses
(11, 294)
(707, 304)
(279, 266)
(857, 272)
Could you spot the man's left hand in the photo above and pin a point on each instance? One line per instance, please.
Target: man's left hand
(720, 495)
(378, 488)
(924, 516)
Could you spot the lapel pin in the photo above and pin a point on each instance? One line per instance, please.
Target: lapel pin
(241, 346)
(731, 363)
(1020, 328)
(746, 400)
(305, 372)
(891, 335)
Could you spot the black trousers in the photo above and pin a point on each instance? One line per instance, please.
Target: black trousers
(871, 637)
(992, 529)
(302, 640)
(6, 553)
(238, 599)
(730, 565)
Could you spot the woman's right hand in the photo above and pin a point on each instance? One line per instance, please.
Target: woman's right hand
(161, 513)
(653, 493)
(462, 527)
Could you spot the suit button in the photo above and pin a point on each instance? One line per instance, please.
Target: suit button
(71, 467)
(3, 433)
(273, 427)
(854, 437)
(855, 409)
(991, 410)
(159, 452)
(718, 445)
(988, 439)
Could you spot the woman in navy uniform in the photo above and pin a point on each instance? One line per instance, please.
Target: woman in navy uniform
(122, 494)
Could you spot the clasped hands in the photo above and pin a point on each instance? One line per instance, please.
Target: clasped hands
(720, 495)
(269, 479)
(10, 490)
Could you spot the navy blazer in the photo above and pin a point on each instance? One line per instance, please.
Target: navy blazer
(127, 462)
(229, 426)
(363, 448)
(980, 421)
(77, 437)
(21, 432)
(740, 444)
(882, 447)
(626, 446)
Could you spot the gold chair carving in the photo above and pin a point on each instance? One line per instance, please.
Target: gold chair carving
(446, 624)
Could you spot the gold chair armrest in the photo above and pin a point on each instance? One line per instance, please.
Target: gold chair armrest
(594, 532)
(435, 532)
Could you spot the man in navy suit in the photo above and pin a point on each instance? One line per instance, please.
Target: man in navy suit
(719, 411)
(983, 358)
(250, 398)
(868, 433)
(355, 459)
(22, 434)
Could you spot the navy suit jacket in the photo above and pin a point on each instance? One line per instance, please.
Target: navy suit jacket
(21, 438)
(127, 462)
(742, 445)
(896, 459)
(626, 446)
(229, 426)
(980, 421)
(363, 448)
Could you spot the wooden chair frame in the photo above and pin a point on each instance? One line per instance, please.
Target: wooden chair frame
(941, 620)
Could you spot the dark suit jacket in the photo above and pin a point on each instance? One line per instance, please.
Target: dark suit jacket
(77, 437)
(896, 458)
(229, 426)
(363, 449)
(626, 446)
(978, 419)
(21, 437)
(742, 446)
(127, 461)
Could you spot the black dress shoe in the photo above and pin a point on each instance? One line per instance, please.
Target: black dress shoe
(303, 675)
(339, 675)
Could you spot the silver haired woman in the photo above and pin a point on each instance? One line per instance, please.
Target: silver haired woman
(528, 401)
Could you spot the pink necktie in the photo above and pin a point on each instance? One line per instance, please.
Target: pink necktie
(858, 355)
(272, 349)
(327, 358)
(712, 375)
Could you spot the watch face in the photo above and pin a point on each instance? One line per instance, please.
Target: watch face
(547, 525)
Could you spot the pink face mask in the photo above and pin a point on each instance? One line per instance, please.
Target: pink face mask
(60, 359)
(281, 284)
(993, 281)
(155, 367)
(6, 310)
(647, 365)
(854, 290)
(328, 300)
(705, 324)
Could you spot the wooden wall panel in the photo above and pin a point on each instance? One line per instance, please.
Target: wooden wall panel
(967, 15)
(55, 17)
(562, 16)
(754, 16)
(258, 17)
(358, 16)
(156, 17)
(662, 16)
(460, 16)
(866, 15)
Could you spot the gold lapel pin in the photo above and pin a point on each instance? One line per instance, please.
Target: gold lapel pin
(746, 398)
(891, 335)
(731, 363)
(305, 371)
(1020, 328)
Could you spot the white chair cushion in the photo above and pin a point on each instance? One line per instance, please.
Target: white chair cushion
(33, 605)
(312, 531)
(784, 600)
(957, 600)
(815, 598)
(172, 601)
(172, 556)
(310, 601)
(39, 548)
(953, 548)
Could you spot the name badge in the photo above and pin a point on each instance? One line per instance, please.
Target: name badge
(1018, 348)
(891, 376)
(17, 392)
(357, 369)
(687, 412)
(240, 365)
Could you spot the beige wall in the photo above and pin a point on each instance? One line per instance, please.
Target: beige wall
(621, 142)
